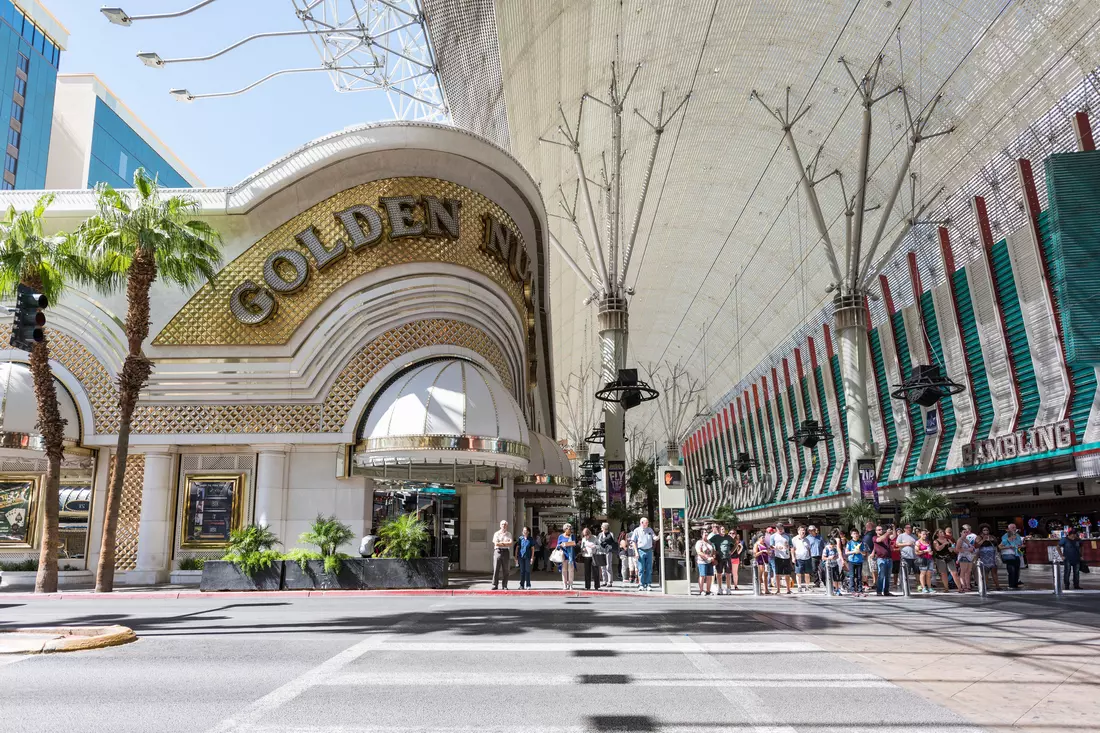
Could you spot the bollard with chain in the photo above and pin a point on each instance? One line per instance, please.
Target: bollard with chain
(982, 590)
(1057, 577)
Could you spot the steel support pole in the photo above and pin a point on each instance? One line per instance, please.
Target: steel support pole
(983, 590)
(1057, 577)
(755, 580)
(613, 323)
(850, 324)
(861, 193)
(904, 578)
(828, 581)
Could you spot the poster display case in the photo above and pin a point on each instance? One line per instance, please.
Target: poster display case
(213, 507)
(18, 507)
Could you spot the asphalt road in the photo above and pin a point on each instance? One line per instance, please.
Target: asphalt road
(441, 664)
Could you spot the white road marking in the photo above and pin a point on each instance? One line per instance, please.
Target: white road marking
(6, 659)
(749, 647)
(740, 698)
(383, 679)
(278, 697)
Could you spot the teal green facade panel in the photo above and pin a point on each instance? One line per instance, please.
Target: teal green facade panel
(947, 408)
(1018, 346)
(883, 388)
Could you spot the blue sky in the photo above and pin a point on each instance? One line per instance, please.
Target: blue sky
(222, 140)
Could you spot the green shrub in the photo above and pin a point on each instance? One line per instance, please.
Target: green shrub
(192, 563)
(250, 549)
(19, 566)
(302, 557)
(327, 534)
(404, 537)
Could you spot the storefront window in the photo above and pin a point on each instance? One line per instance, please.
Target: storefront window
(212, 509)
(18, 496)
(437, 506)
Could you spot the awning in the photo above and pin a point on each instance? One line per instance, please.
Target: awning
(444, 419)
(19, 409)
(549, 477)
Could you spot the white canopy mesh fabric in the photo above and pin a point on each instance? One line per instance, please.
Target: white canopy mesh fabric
(725, 244)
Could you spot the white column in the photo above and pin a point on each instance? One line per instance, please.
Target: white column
(850, 319)
(271, 479)
(100, 486)
(154, 555)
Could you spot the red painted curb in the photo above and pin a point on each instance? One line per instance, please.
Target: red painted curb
(163, 595)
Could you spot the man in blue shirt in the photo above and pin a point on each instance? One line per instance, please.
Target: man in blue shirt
(642, 538)
(525, 550)
(1071, 557)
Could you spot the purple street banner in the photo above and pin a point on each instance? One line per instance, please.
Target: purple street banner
(868, 482)
(616, 482)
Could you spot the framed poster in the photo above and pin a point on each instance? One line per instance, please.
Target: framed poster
(212, 508)
(18, 502)
(868, 481)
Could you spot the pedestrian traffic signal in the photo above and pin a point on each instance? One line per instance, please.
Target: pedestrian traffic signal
(30, 322)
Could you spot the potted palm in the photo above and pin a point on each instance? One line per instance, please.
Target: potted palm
(326, 567)
(250, 562)
(189, 572)
(402, 564)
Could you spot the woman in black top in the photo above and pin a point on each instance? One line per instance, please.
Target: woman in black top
(943, 553)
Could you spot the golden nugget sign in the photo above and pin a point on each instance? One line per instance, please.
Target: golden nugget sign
(1020, 444)
(288, 270)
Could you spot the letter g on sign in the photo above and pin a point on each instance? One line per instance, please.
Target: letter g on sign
(274, 270)
(250, 304)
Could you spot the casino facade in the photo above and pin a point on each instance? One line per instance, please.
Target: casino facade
(376, 341)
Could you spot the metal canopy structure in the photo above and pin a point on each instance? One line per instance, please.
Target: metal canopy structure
(727, 244)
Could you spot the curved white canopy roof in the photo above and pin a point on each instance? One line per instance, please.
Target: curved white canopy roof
(549, 473)
(19, 408)
(446, 412)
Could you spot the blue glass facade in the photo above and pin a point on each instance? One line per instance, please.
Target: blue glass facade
(117, 151)
(28, 80)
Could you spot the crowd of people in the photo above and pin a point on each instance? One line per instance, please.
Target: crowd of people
(877, 558)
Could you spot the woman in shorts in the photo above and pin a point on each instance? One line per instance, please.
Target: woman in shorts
(704, 558)
(760, 553)
(923, 551)
(966, 551)
(943, 555)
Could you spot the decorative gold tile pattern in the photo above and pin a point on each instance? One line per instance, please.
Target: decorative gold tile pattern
(93, 376)
(401, 340)
(206, 318)
(330, 416)
(129, 512)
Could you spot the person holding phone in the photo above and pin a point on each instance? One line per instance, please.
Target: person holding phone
(704, 558)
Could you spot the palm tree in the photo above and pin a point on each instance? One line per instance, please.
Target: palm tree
(623, 513)
(132, 239)
(924, 504)
(588, 501)
(43, 263)
(725, 516)
(858, 514)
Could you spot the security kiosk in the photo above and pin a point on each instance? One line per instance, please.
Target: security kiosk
(672, 494)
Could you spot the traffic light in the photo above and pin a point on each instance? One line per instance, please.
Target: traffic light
(30, 321)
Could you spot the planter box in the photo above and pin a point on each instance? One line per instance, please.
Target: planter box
(65, 579)
(221, 575)
(368, 573)
(185, 577)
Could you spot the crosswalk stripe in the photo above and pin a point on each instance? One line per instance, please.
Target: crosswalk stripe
(378, 679)
(747, 647)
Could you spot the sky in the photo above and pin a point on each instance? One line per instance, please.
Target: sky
(221, 140)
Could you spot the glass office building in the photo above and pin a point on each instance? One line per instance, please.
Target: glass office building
(31, 41)
(98, 139)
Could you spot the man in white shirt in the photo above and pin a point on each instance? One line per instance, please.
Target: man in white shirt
(642, 539)
(502, 555)
(781, 551)
(803, 560)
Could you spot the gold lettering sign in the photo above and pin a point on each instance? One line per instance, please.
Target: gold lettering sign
(269, 290)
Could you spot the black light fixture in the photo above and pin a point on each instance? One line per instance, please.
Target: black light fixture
(627, 390)
(1057, 490)
(709, 476)
(926, 386)
(1080, 488)
(745, 462)
(809, 434)
(1035, 491)
(596, 437)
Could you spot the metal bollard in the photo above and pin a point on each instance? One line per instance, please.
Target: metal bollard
(828, 581)
(904, 578)
(1057, 577)
(755, 581)
(982, 590)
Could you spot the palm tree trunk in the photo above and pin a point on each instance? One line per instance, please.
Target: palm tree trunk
(135, 373)
(52, 427)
